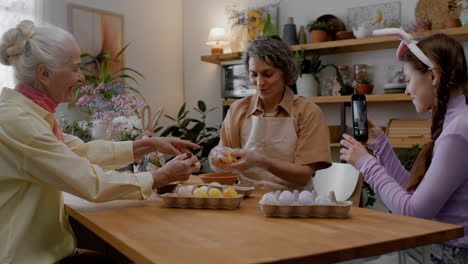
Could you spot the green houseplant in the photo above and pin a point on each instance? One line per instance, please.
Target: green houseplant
(364, 86)
(319, 30)
(113, 112)
(452, 21)
(310, 68)
(194, 130)
(104, 74)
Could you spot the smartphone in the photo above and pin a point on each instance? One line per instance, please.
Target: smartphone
(359, 113)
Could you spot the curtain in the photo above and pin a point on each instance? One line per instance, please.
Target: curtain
(11, 13)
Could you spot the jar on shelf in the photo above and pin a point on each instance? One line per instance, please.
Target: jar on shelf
(347, 78)
(360, 72)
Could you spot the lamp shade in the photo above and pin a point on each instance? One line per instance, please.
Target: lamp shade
(217, 37)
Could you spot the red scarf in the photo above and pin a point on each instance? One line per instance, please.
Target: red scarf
(43, 101)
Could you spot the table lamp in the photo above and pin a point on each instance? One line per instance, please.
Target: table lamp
(217, 38)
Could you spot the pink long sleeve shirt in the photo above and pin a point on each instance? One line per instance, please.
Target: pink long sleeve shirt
(442, 195)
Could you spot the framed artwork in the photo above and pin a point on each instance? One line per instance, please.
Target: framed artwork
(97, 32)
(258, 17)
(390, 14)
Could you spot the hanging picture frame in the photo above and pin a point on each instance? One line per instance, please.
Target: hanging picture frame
(257, 18)
(98, 32)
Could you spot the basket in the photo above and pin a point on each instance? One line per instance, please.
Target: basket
(404, 133)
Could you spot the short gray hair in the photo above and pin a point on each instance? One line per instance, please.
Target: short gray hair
(274, 52)
(26, 46)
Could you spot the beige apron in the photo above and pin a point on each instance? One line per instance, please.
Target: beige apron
(274, 137)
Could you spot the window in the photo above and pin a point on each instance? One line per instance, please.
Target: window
(11, 13)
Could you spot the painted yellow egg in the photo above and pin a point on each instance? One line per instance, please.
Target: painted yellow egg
(229, 158)
(199, 192)
(214, 193)
(230, 193)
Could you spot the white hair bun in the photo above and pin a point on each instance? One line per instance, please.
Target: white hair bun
(14, 41)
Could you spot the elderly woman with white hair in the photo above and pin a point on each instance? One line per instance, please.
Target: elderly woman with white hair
(277, 139)
(39, 162)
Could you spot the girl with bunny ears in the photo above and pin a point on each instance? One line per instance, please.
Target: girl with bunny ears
(437, 186)
(38, 161)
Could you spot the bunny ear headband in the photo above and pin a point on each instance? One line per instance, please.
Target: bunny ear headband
(407, 42)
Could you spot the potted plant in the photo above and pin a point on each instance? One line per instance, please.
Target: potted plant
(308, 83)
(194, 130)
(318, 31)
(451, 21)
(111, 109)
(364, 86)
(104, 74)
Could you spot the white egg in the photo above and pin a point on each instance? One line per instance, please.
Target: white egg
(286, 198)
(204, 188)
(322, 199)
(305, 198)
(215, 184)
(269, 198)
(185, 190)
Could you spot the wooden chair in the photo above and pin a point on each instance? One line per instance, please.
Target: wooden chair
(343, 179)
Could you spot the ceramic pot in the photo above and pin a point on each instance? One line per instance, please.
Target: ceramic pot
(98, 130)
(307, 86)
(362, 31)
(302, 36)
(452, 22)
(318, 36)
(424, 26)
(363, 88)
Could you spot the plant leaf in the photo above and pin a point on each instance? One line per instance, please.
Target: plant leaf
(170, 117)
(181, 111)
(157, 130)
(201, 105)
(127, 76)
(128, 69)
(136, 91)
(185, 123)
(120, 53)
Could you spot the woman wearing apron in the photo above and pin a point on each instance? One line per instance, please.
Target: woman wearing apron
(278, 140)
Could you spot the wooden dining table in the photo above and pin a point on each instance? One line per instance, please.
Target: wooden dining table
(147, 232)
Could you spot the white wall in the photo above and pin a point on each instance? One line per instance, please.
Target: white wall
(155, 28)
(203, 80)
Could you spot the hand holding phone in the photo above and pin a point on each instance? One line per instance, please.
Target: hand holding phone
(359, 115)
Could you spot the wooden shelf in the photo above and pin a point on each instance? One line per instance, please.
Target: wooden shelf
(397, 143)
(348, 45)
(347, 98)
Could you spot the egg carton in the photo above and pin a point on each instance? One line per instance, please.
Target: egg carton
(174, 200)
(331, 209)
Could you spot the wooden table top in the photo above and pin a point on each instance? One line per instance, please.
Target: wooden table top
(146, 232)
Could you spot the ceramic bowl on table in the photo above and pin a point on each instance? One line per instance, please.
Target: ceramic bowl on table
(225, 178)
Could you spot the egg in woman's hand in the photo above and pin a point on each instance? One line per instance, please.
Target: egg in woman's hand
(229, 159)
(199, 192)
(214, 193)
(230, 193)
(286, 198)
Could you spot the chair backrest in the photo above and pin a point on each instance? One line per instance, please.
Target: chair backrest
(342, 178)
